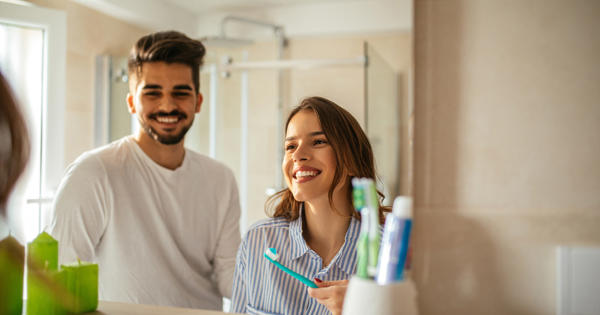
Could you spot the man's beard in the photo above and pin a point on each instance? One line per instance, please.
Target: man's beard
(169, 139)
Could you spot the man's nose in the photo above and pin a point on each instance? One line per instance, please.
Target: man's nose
(167, 103)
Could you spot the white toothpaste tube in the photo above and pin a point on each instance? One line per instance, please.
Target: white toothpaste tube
(394, 246)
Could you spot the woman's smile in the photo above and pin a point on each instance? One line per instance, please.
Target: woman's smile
(304, 174)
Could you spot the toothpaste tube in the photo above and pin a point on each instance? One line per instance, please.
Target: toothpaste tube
(396, 237)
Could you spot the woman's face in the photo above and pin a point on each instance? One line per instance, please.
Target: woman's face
(309, 163)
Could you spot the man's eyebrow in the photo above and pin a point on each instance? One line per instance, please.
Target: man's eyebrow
(312, 134)
(158, 87)
(183, 87)
(151, 87)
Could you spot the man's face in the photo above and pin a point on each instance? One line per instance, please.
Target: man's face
(165, 101)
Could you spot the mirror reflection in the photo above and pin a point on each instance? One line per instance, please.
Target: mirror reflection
(261, 61)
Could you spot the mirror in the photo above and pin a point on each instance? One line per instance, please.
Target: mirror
(359, 55)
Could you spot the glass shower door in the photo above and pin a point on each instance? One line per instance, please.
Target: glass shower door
(383, 121)
(237, 126)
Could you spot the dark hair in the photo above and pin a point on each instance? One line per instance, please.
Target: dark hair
(353, 154)
(169, 47)
(14, 142)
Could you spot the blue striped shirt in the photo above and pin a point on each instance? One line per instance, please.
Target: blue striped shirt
(259, 287)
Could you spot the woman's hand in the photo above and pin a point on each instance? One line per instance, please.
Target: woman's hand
(331, 294)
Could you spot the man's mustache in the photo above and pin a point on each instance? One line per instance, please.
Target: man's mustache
(177, 113)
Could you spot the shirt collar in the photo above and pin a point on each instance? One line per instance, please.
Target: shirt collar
(345, 258)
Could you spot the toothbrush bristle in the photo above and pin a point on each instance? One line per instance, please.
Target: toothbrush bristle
(272, 253)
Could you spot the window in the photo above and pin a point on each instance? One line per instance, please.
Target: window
(32, 58)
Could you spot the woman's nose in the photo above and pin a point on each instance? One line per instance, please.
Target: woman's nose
(301, 153)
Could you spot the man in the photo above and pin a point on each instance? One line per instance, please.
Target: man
(161, 221)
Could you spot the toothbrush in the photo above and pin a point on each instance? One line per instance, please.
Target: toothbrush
(362, 246)
(374, 238)
(271, 255)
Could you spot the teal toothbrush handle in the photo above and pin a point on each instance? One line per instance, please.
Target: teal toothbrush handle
(292, 273)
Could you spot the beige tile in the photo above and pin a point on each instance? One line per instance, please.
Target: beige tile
(490, 263)
(89, 33)
(77, 141)
(507, 114)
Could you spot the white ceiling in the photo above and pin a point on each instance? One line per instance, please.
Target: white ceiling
(207, 6)
(298, 17)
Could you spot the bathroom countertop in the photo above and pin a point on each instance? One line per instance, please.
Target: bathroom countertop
(118, 308)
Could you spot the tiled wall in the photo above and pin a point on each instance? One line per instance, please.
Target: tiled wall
(507, 150)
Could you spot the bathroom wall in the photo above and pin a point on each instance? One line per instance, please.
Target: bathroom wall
(507, 147)
(89, 33)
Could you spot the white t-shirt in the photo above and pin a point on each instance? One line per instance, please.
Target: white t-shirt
(159, 236)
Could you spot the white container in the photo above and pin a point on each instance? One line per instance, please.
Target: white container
(365, 296)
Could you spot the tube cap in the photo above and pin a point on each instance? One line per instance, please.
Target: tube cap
(402, 207)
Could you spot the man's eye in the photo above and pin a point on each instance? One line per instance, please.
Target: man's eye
(181, 94)
(154, 93)
(289, 147)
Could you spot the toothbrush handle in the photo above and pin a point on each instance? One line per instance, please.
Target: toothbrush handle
(294, 274)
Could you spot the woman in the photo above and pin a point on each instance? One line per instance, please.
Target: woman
(14, 143)
(314, 227)
(14, 153)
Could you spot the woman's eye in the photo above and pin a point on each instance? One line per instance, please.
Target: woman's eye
(289, 147)
(320, 141)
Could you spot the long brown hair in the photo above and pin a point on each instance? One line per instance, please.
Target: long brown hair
(14, 142)
(353, 154)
